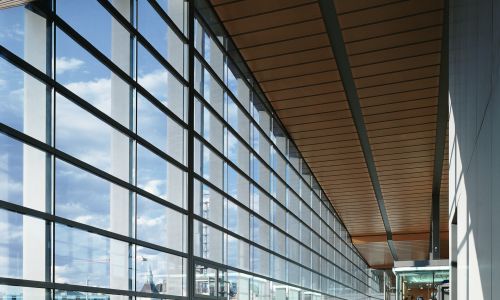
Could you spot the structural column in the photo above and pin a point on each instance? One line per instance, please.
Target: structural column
(120, 202)
(35, 171)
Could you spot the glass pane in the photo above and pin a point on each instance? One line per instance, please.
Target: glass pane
(208, 203)
(160, 178)
(237, 220)
(208, 126)
(237, 120)
(208, 164)
(260, 232)
(177, 11)
(88, 259)
(260, 261)
(261, 204)
(160, 83)
(205, 281)
(82, 135)
(208, 242)
(160, 130)
(22, 235)
(20, 26)
(158, 33)
(161, 225)
(159, 272)
(19, 292)
(238, 153)
(238, 253)
(238, 186)
(86, 198)
(17, 185)
(22, 101)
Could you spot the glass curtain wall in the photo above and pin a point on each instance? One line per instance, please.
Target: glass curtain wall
(138, 162)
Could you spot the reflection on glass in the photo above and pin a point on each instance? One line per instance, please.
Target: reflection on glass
(159, 272)
(21, 99)
(208, 126)
(238, 186)
(89, 139)
(161, 225)
(237, 120)
(67, 295)
(160, 130)
(160, 178)
(19, 236)
(260, 261)
(18, 292)
(237, 220)
(160, 83)
(208, 242)
(86, 198)
(206, 281)
(88, 259)
(158, 33)
(208, 164)
(208, 203)
(11, 170)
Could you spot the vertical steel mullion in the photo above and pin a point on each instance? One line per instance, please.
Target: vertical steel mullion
(190, 159)
(133, 144)
(50, 130)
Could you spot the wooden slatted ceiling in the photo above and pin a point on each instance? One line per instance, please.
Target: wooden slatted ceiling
(394, 53)
(286, 47)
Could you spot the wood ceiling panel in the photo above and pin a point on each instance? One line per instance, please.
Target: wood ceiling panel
(412, 250)
(306, 91)
(297, 70)
(396, 97)
(401, 106)
(402, 114)
(406, 142)
(401, 122)
(395, 40)
(293, 58)
(386, 133)
(285, 47)
(398, 76)
(333, 144)
(398, 87)
(311, 109)
(281, 33)
(393, 26)
(387, 12)
(376, 253)
(300, 81)
(318, 125)
(397, 65)
(345, 7)
(245, 9)
(273, 19)
(394, 49)
(394, 53)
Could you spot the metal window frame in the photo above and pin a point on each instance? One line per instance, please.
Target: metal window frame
(53, 86)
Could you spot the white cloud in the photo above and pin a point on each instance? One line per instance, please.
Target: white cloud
(148, 221)
(155, 82)
(64, 64)
(155, 187)
(14, 32)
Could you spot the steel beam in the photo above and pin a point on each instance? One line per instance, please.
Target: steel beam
(334, 32)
